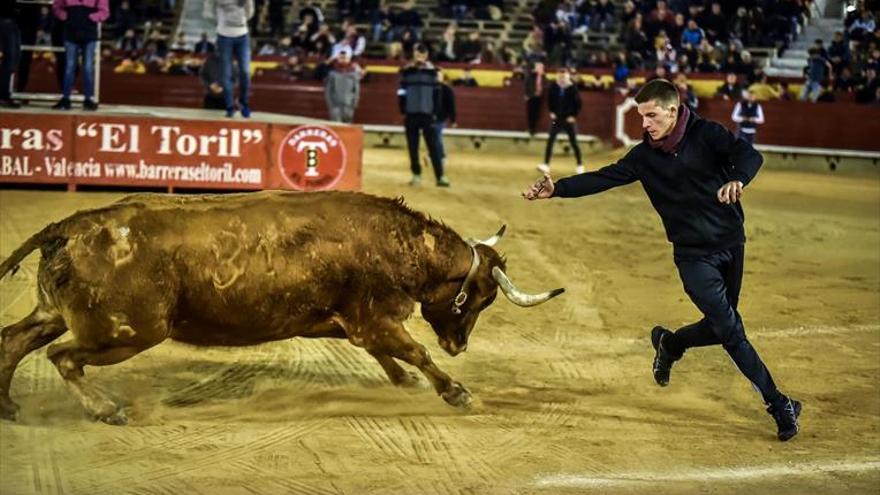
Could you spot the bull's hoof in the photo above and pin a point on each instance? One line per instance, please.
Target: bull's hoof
(9, 410)
(118, 418)
(458, 396)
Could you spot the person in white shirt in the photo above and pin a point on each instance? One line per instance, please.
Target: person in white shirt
(748, 115)
(233, 40)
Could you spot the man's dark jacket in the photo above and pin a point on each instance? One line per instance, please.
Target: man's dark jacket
(683, 186)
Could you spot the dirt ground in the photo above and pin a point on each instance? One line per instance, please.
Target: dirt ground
(565, 401)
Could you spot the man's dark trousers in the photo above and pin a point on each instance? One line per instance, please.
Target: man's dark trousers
(713, 283)
(416, 123)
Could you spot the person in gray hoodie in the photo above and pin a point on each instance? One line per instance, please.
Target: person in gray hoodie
(233, 40)
(342, 88)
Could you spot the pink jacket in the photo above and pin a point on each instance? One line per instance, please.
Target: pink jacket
(59, 8)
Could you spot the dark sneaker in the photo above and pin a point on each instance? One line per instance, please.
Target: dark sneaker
(662, 359)
(786, 415)
(245, 111)
(63, 104)
(90, 105)
(230, 112)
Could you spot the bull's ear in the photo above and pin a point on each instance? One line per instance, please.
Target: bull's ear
(490, 241)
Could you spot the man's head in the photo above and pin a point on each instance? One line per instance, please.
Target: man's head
(658, 105)
(344, 55)
(731, 78)
(563, 76)
(420, 52)
(692, 24)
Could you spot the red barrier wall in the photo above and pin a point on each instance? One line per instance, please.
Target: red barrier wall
(132, 150)
(841, 125)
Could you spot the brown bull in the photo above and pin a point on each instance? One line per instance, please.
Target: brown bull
(245, 269)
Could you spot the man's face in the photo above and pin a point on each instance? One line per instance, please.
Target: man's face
(657, 121)
(420, 56)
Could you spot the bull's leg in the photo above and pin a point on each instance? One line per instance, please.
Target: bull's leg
(396, 342)
(395, 372)
(18, 340)
(70, 357)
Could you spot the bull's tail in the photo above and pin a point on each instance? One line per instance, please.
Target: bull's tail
(41, 238)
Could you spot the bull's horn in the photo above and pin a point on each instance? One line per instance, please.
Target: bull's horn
(519, 297)
(494, 239)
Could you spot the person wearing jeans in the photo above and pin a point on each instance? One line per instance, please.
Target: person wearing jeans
(233, 42)
(81, 19)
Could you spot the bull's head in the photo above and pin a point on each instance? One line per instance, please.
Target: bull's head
(454, 313)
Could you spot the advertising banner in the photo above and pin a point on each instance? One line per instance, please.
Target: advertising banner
(160, 152)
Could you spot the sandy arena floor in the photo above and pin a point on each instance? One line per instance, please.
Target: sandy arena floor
(565, 402)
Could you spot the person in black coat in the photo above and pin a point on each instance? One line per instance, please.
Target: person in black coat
(444, 113)
(564, 103)
(694, 172)
(10, 51)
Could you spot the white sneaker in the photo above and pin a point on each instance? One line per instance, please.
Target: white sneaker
(579, 169)
(543, 168)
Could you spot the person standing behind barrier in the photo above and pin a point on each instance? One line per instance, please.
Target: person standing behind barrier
(748, 115)
(417, 98)
(342, 88)
(534, 85)
(81, 19)
(564, 102)
(233, 40)
(444, 114)
(211, 74)
(10, 51)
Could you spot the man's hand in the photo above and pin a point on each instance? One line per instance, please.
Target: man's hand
(570, 120)
(552, 116)
(730, 192)
(216, 88)
(541, 189)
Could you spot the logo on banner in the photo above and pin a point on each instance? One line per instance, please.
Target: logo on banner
(312, 158)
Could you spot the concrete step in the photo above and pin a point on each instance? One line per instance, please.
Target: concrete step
(796, 53)
(777, 72)
(790, 63)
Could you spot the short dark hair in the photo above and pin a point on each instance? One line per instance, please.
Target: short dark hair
(660, 90)
(420, 48)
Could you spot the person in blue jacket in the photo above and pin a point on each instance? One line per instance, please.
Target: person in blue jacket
(694, 171)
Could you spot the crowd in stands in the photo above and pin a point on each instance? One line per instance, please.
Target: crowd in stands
(664, 37)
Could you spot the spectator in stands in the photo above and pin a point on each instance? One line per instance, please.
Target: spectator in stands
(748, 115)
(309, 9)
(352, 39)
(81, 19)
(211, 75)
(467, 79)
(295, 67)
(407, 19)
(130, 64)
(533, 44)
(748, 68)
(158, 40)
(714, 23)
(686, 91)
(817, 71)
(323, 40)
(268, 48)
(869, 90)
(380, 20)
(342, 87)
(675, 32)
(739, 26)
(275, 16)
(564, 103)
(763, 90)
(845, 82)
(10, 51)
(534, 84)
(660, 19)
(470, 50)
(129, 42)
(448, 50)
(180, 44)
(693, 35)
(838, 52)
(731, 89)
(124, 18)
(417, 97)
(458, 9)
(636, 42)
(862, 26)
(444, 114)
(203, 46)
(233, 42)
(602, 16)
